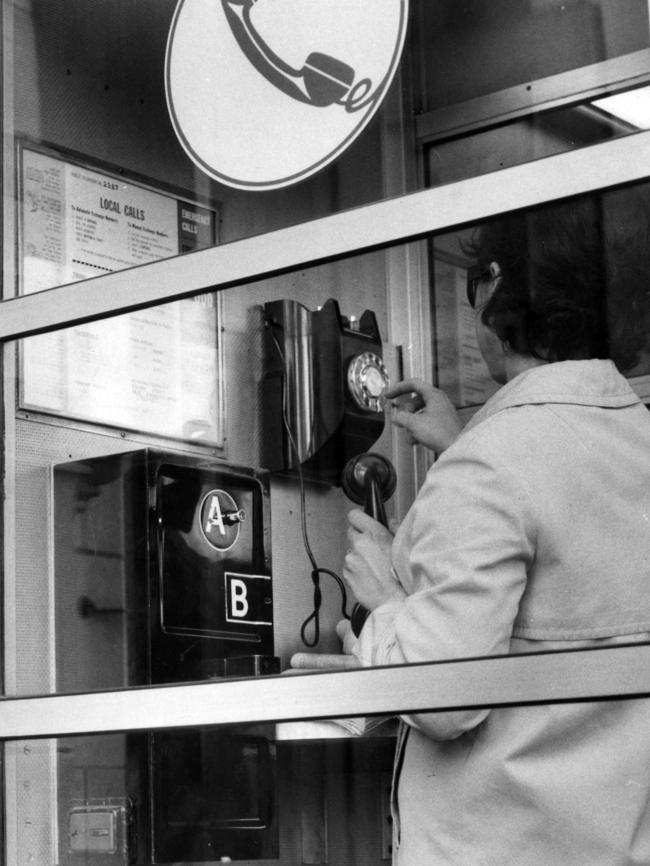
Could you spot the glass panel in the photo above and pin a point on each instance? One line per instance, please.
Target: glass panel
(536, 136)
(102, 90)
(161, 539)
(632, 107)
(92, 88)
(474, 49)
(157, 371)
(249, 794)
(200, 795)
(167, 557)
(609, 262)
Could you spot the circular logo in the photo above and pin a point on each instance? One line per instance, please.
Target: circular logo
(264, 93)
(221, 519)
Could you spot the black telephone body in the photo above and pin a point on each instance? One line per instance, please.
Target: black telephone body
(322, 388)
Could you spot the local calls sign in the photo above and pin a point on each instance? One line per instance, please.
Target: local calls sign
(264, 93)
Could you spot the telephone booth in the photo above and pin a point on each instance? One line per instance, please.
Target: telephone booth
(228, 229)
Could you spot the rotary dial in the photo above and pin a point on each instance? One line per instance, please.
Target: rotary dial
(367, 381)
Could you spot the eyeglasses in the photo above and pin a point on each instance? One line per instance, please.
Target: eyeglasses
(478, 274)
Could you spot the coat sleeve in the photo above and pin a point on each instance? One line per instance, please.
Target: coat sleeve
(462, 555)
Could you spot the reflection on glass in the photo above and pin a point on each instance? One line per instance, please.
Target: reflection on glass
(632, 107)
(161, 569)
(112, 78)
(535, 136)
(157, 370)
(474, 49)
(535, 785)
(200, 796)
(565, 783)
(79, 220)
(529, 534)
(613, 257)
(197, 795)
(95, 90)
(523, 536)
(167, 559)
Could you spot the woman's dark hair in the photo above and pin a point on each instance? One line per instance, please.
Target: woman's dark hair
(575, 277)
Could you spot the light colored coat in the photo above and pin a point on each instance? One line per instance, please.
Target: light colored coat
(531, 532)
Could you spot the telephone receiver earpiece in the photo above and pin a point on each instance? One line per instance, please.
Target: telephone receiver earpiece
(325, 80)
(368, 480)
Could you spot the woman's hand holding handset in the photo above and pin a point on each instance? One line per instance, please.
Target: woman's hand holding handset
(430, 419)
(367, 567)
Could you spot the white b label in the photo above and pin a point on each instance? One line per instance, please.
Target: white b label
(238, 598)
(248, 598)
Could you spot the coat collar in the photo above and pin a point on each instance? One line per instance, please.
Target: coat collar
(582, 383)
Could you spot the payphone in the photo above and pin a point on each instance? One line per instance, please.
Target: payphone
(163, 574)
(323, 385)
(323, 407)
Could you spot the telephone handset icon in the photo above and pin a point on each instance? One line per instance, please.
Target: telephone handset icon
(321, 81)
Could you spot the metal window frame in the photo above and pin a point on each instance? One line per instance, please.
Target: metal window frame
(556, 91)
(383, 224)
(552, 677)
(548, 677)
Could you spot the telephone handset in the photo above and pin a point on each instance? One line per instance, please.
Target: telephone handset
(322, 81)
(368, 480)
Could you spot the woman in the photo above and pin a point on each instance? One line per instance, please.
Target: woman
(531, 532)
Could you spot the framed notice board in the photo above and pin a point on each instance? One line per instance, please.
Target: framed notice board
(155, 371)
(461, 371)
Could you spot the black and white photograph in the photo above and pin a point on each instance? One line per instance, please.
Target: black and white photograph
(325, 465)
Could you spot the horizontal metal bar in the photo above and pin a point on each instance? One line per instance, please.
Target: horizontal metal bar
(385, 223)
(600, 674)
(555, 91)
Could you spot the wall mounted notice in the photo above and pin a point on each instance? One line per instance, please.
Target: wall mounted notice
(157, 370)
(462, 372)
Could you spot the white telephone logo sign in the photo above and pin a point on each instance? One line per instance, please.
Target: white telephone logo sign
(264, 93)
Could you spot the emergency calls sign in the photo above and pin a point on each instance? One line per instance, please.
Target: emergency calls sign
(248, 598)
(264, 93)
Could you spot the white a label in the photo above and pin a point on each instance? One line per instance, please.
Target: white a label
(215, 516)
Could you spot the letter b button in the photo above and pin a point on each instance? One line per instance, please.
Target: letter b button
(248, 598)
